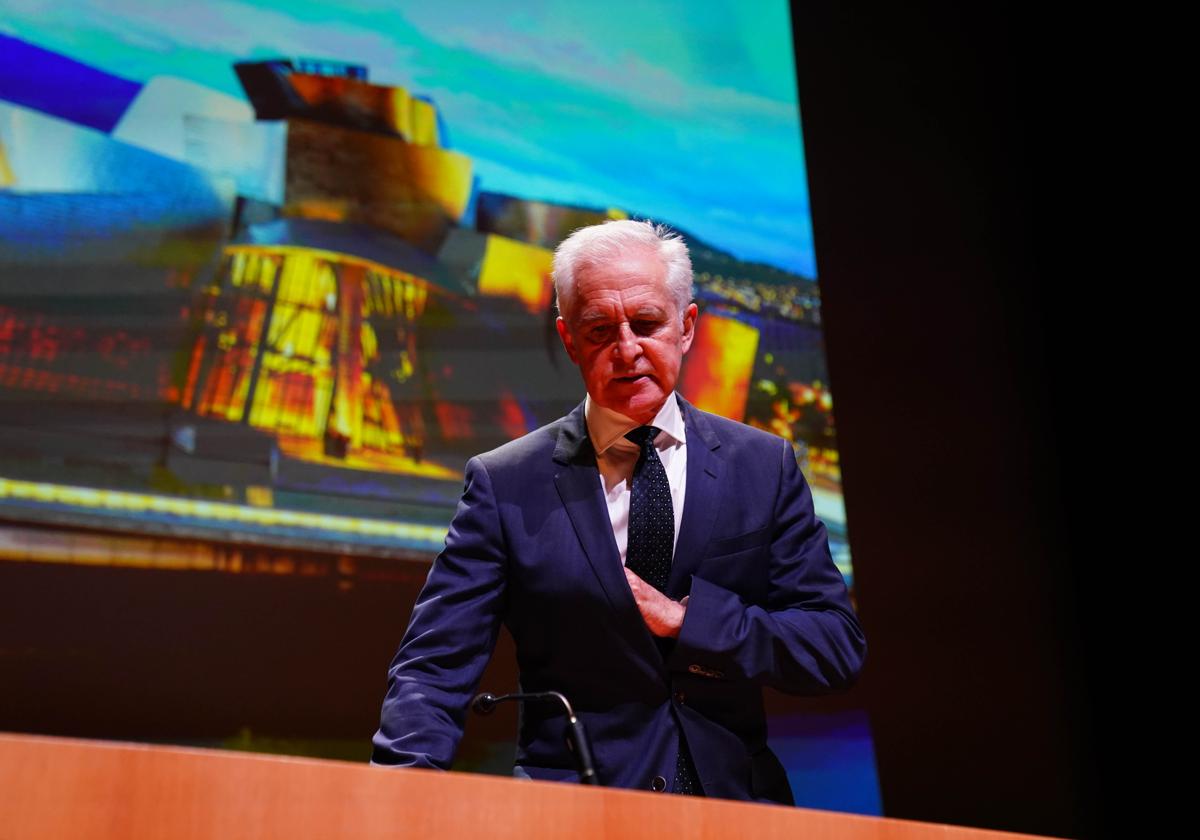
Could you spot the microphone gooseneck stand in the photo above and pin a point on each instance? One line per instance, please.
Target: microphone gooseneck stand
(577, 739)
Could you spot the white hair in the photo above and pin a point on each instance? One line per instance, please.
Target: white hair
(597, 244)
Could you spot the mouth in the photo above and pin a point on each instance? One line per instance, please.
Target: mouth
(637, 377)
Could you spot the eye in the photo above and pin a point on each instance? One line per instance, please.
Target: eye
(599, 332)
(646, 326)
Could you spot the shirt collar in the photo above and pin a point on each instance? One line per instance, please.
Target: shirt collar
(607, 427)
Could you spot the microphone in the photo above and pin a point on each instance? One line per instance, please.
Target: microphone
(484, 704)
(577, 739)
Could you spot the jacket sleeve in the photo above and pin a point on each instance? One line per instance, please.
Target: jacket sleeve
(450, 637)
(805, 637)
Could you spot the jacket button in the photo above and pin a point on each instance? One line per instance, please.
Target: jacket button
(658, 784)
(680, 697)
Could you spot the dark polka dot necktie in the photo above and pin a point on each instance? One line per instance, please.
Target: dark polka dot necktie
(651, 542)
(651, 515)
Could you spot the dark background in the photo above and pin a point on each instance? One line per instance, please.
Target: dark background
(961, 350)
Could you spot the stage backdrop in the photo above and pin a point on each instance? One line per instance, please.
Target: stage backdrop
(271, 272)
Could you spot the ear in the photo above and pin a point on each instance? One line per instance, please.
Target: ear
(689, 326)
(564, 333)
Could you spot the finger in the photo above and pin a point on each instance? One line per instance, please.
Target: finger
(635, 584)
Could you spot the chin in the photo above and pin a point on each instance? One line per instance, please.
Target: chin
(641, 405)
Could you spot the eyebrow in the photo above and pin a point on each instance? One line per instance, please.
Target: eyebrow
(649, 311)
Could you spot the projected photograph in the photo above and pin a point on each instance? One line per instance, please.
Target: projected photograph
(270, 274)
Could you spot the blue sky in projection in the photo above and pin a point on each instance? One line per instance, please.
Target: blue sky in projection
(684, 112)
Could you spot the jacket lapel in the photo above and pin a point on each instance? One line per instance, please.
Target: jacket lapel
(704, 468)
(578, 485)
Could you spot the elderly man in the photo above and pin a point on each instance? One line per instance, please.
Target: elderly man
(656, 564)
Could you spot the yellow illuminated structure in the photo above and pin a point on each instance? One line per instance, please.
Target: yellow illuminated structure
(392, 108)
(290, 343)
(716, 376)
(347, 175)
(515, 269)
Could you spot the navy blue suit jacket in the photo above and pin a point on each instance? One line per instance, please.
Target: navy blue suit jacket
(531, 545)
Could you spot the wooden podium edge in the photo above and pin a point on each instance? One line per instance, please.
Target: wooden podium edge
(54, 787)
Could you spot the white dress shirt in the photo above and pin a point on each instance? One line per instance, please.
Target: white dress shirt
(616, 457)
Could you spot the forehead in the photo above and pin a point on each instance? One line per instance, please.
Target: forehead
(630, 282)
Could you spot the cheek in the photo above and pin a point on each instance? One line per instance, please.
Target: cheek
(595, 363)
(594, 356)
(666, 359)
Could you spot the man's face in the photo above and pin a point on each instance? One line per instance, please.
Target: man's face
(626, 334)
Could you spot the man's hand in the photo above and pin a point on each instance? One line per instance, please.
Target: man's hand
(663, 616)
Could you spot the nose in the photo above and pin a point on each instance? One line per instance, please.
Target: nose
(628, 348)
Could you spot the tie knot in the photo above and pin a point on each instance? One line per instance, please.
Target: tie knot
(643, 435)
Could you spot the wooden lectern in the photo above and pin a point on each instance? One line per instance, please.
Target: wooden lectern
(97, 790)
